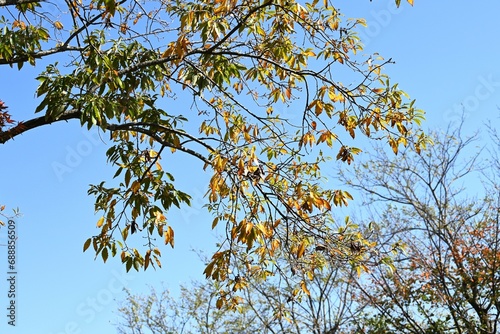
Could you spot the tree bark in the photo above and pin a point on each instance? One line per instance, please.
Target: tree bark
(34, 123)
(4, 3)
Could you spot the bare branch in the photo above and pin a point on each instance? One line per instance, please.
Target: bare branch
(38, 55)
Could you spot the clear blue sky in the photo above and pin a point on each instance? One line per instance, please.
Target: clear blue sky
(446, 54)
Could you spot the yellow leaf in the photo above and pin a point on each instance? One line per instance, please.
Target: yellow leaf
(301, 250)
(157, 261)
(312, 104)
(135, 186)
(157, 251)
(304, 288)
(263, 229)
(214, 223)
(362, 22)
(147, 259)
(318, 108)
(310, 53)
(248, 227)
(58, 25)
(410, 2)
(349, 196)
(332, 95)
(394, 145)
(338, 57)
(100, 222)
(125, 232)
(209, 269)
(160, 217)
(169, 236)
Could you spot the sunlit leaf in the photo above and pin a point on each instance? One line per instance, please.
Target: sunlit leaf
(304, 288)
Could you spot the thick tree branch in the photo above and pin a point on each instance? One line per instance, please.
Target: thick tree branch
(4, 3)
(157, 137)
(40, 121)
(34, 123)
(163, 60)
(38, 55)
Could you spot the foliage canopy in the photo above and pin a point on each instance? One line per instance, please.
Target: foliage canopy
(257, 91)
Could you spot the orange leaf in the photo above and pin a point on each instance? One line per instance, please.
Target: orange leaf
(304, 288)
(157, 261)
(219, 303)
(301, 250)
(147, 259)
(169, 236)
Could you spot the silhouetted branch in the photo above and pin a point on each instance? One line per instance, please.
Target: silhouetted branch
(34, 123)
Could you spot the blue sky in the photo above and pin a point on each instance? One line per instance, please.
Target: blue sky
(446, 56)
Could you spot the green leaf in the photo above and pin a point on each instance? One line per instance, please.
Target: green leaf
(104, 254)
(110, 6)
(118, 172)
